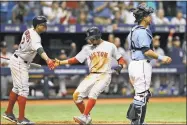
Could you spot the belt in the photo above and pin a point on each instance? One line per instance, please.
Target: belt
(139, 60)
(143, 91)
(17, 57)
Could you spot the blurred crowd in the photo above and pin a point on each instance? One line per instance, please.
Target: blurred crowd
(90, 12)
(169, 84)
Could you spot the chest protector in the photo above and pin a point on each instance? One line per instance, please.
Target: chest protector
(133, 47)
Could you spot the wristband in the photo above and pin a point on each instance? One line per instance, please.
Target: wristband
(160, 57)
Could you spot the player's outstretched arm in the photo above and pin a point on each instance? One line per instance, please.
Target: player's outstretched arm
(65, 62)
(152, 54)
(50, 62)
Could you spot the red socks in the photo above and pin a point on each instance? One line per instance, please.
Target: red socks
(21, 103)
(90, 105)
(81, 106)
(12, 99)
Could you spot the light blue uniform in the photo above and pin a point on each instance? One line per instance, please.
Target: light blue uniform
(142, 38)
(140, 69)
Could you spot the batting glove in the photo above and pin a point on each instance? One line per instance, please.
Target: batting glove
(118, 69)
(57, 62)
(50, 64)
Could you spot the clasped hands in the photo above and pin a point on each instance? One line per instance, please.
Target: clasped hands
(52, 63)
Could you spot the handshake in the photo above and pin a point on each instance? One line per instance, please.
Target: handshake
(52, 63)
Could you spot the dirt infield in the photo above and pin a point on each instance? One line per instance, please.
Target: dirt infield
(100, 101)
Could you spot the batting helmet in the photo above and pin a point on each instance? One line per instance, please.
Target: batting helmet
(141, 11)
(93, 33)
(38, 20)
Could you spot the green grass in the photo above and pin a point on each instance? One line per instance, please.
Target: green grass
(157, 112)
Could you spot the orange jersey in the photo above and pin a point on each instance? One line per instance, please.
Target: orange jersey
(99, 57)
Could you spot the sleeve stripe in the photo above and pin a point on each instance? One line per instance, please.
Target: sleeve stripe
(73, 61)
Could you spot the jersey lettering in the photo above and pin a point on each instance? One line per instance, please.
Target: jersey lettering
(99, 54)
(26, 37)
(27, 34)
(98, 61)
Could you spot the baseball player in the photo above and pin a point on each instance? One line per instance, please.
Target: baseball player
(140, 70)
(20, 61)
(98, 56)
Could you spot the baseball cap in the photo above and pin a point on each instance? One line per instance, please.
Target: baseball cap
(3, 44)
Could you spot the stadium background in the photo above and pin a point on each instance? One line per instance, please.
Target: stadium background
(65, 38)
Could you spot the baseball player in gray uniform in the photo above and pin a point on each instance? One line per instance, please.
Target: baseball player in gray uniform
(140, 69)
(99, 56)
(19, 65)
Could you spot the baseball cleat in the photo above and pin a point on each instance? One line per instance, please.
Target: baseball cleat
(25, 121)
(89, 120)
(10, 117)
(83, 119)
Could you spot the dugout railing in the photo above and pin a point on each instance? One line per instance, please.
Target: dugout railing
(45, 74)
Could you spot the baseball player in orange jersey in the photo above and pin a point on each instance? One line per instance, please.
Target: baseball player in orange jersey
(19, 65)
(98, 55)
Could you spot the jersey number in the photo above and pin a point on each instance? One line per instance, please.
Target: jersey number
(25, 38)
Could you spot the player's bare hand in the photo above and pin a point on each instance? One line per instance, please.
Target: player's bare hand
(50, 64)
(166, 60)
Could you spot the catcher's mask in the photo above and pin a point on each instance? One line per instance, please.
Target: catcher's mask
(141, 11)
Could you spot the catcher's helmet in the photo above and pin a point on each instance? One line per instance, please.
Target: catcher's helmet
(141, 11)
(93, 33)
(38, 20)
